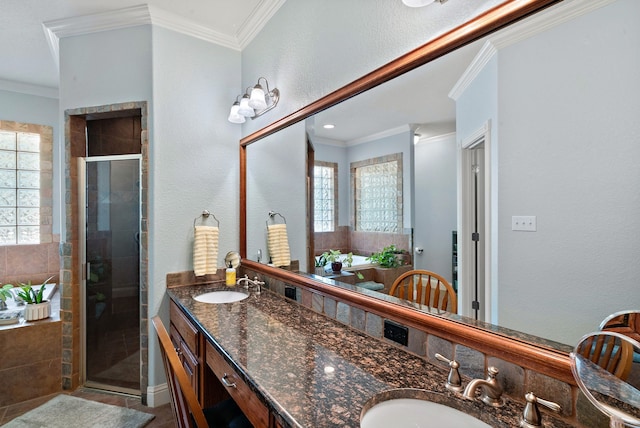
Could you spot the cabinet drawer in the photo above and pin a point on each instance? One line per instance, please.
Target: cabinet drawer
(185, 328)
(251, 406)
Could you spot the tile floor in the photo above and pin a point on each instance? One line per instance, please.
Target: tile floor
(164, 416)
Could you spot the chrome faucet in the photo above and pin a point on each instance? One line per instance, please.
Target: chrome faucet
(250, 283)
(491, 389)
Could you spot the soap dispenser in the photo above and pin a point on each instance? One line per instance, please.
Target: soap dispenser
(231, 275)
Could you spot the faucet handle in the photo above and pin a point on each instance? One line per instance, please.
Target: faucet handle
(531, 417)
(454, 382)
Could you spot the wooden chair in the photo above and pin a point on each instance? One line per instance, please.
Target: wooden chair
(425, 288)
(609, 352)
(184, 403)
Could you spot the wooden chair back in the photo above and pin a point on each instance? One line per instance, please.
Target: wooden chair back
(184, 402)
(610, 353)
(425, 288)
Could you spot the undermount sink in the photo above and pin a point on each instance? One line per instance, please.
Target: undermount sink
(411, 408)
(222, 296)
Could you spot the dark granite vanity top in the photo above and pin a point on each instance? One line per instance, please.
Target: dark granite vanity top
(313, 371)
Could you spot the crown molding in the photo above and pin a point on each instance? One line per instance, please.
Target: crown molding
(256, 21)
(379, 135)
(436, 138)
(143, 14)
(29, 89)
(538, 23)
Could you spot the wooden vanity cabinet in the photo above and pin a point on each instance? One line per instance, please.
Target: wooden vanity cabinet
(186, 338)
(247, 400)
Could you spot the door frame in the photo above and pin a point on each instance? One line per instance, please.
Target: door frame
(82, 254)
(481, 136)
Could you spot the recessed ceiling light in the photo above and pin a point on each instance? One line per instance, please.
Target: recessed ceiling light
(329, 126)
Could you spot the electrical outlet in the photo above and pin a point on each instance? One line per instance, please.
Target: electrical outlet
(396, 332)
(526, 223)
(290, 292)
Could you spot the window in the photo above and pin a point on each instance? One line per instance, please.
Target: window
(25, 175)
(325, 196)
(377, 185)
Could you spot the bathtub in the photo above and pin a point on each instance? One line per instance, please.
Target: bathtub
(359, 262)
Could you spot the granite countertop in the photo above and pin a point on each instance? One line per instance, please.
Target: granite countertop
(313, 371)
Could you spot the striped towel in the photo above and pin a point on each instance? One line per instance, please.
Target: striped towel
(205, 250)
(278, 245)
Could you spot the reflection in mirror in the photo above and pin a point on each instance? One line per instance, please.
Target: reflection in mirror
(606, 366)
(624, 322)
(276, 169)
(564, 150)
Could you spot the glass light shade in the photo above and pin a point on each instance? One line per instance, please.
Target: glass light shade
(234, 116)
(244, 109)
(257, 100)
(416, 3)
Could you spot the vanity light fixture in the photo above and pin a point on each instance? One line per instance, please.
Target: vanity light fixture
(234, 116)
(254, 102)
(420, 3)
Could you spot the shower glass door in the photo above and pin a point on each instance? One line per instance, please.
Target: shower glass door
(111, 294)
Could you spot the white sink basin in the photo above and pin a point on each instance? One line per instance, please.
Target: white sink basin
(222, 296)
(415, 413)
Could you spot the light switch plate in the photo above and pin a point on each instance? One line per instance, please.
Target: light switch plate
(526, 223)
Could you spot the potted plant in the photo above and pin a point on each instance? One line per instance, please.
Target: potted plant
(320, 263)
(333, 257)
(5, 294)
(387, 257)
(37, 308)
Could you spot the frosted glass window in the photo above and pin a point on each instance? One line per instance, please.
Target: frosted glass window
(325, 196)
(20, 206)
(377, 185)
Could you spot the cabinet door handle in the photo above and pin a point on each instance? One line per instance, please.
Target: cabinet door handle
(225, 381)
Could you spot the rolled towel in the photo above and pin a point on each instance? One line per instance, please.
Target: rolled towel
(205, 250)
(278, 242)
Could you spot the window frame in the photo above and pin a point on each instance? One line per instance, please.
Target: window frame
(356, 192)
(46, 178)
(334, 166)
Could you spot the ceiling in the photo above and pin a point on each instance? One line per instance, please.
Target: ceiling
(27, 57)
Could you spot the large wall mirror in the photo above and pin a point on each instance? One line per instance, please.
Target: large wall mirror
(553, 99)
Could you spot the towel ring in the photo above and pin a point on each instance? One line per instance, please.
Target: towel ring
(204, 216)
(272, 215)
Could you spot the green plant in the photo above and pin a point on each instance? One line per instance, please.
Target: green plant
(29, 295)
(321, 261)
(332, 256)
(348, 259)
(387, 257)
(5, 293)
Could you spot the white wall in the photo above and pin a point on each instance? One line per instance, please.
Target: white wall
(193, 156)
(435, 203)
(40, 110)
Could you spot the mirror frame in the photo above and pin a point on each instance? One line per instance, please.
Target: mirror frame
(540, 358)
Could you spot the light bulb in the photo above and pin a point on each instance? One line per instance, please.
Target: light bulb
(234, 116)
(244, 109)
(257, 100)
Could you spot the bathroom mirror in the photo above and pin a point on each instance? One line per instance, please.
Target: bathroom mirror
(606, 366)
(553, 274)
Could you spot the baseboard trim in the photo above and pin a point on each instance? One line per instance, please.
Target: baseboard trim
(158, 395)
